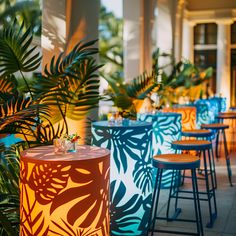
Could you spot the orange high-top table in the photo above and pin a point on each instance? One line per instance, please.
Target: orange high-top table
(64, 194)
(188, 113)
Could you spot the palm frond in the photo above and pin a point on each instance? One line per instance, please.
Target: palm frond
(70, 95)
(64, 66)
(9, 192)
(18, 113)
(141, 86)
(48, 132)
(8, 87)
(15, 52)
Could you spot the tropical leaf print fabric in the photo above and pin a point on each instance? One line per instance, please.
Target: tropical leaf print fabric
(131, 174)
(65, 194)
(166, 129)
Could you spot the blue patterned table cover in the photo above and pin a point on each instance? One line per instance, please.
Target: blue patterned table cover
(166, 129)
(131, 178)
(221, 103)
(208, 109)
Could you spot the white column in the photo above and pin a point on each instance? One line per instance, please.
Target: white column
(223, 59)
(131, 38)
(188, 41)
(165, 29)
(82, 19)
(178, 29)
(147, 21)
(53, 29)
(137, 36)
(64, 24)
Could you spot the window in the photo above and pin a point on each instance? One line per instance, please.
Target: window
(204, 59)
(233, 33)
(233, 77)
(205, 34)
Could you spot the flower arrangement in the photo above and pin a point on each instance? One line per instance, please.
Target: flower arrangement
(70, 141)
(71, 137)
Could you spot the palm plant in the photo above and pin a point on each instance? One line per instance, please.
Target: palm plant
(38, 110)
(126, 96)
(9, 190)
(182, 78)
(68, 88)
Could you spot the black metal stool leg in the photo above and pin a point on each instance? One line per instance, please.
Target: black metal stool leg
(209, 224)
(227, 158)
(214, 168)
(212, 183)
(197, 203)
(177, 211)
(155, 200)
(169, 198)
(217, 145)
(178, 177)
(182, 178)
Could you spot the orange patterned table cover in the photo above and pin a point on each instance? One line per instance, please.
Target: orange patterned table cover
(188, 116)
(64, 194)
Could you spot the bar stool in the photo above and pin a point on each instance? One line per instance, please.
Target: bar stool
(202, 146)
(176, 162)
(229, 116)
(220, 128)
(206, 135)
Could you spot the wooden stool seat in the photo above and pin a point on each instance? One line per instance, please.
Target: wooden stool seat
(226, 115)
(191, 145)
(197, 133)
(176, 161)
(216, 126)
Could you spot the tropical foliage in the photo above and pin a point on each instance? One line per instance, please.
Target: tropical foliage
(110, 45)
(183, 80)
(37, 109)
(28, 11)
(171, 80)
(180, 81)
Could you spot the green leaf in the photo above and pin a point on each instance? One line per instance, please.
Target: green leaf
(15, 52)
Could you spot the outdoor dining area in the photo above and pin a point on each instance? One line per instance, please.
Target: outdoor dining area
(126, 181)
(117, 118)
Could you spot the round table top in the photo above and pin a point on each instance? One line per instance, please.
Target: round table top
(179, 108)
(216, 126)
(129, 124)
(159, 113)
(227, 115)
(47, 154)
(197, 132)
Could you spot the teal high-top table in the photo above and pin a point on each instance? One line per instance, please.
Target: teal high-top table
(131, 174)
(166, 129)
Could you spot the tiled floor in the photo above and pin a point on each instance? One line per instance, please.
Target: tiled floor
(225, 224)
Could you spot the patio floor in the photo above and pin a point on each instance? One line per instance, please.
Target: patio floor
(225, 224)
